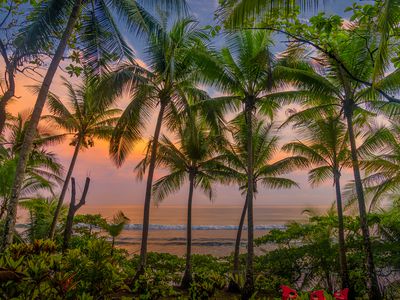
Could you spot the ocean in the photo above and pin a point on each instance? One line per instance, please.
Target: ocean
(214, 227)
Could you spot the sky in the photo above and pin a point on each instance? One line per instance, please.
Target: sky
(118, 186)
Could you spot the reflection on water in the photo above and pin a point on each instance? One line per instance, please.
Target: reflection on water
(215, 226)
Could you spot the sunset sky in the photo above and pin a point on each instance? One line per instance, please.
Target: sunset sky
(111, 185)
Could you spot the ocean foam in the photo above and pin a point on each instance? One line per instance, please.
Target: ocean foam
(201, 227)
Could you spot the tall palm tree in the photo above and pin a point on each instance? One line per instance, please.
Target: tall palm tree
(336, 85)
(88, 116)
(99, 39)
(265, 172)
(43, 171)
(245, 71)
(325, 144)
(115, 228)
(381, 161)
(167, 83)
(194, 157)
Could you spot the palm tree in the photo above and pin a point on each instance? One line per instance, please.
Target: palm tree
(115, 228)
(245, 71)
(337, 86)
(381, 161)
(167, 83)
(43, 171)
(99, 39)
(87, 117)
(193, 157)
(265, 172)
(243, 13)
(325, 144)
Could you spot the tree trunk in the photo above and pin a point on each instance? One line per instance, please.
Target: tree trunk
(3, 208)
(187, 276)
(33, 123)
(344, 272)
(10, 92)
(73, 208)
(3, 114)
(248, 288)
(112, 245)
(233, 286)
(149, 185)
(64, 188)
(373, 289)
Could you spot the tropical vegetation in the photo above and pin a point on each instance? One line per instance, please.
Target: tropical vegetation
(268, 92)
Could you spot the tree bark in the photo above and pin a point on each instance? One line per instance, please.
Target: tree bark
(73, 208)
(344, 272)
(3, 113)
(10, 92)
(65, 188)
(248, 289)
(33, 123)
(233, 286)
(187, 276)
(3, 208)
(373, 285)
(149, 185)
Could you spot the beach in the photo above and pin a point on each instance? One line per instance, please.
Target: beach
(214, 227)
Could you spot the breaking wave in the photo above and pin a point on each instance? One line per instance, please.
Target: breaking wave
(201, 227)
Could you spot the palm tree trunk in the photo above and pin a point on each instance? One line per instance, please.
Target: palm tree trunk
(65, 188)
(3, 114)
(3, 208)
(112, 245)
(248, 289)
(344, 272)
(373, 289)
(33, 123)
(9, 93)
(149, 185)
(233, 286)
(187, 276)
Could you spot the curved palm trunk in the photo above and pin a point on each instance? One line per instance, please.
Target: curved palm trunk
(373, 290)
(33, 123)
(233, 286)
(149, 185)
(187, 276)
(248, 288)
(64, 188)
(344, 272)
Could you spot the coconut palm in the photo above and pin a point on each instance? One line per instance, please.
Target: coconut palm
(43, 171)
(245, 72)
(167, 84)
(239, 13)
(115, 228)
(337, 86)
(193, 158)
(87, 116)
(99, 39)
(324, 142)
(380, 161)
(265, 172)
